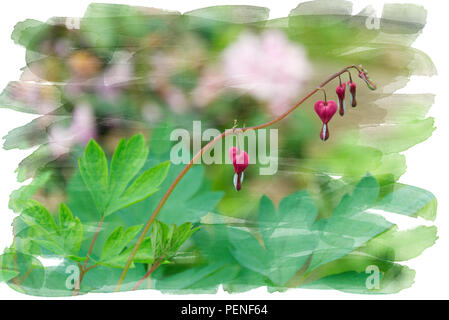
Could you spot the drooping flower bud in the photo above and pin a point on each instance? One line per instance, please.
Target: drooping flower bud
(352, 90)
(325, 110)
(363, 74)
(240, 161)
(341, 89)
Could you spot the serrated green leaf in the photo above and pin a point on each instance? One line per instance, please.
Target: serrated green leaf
(159, 234)
(94, 170)
(179, 236)
(128, 159)
(288, 238)
(144, 186)
(115, 244)
(144, 255)
(167, 240)
(38, 217)
(249, 252)
(71, 230)
(113, 192)
(63, 239)
(350, 225)
(193, 209)
(145, 252)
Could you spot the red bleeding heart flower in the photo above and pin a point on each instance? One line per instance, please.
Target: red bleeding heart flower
(341, 89)
(352, 90)
(240, 160)
(325, 110)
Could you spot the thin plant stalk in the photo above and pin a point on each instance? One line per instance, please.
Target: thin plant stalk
(153, 268)
(84, 268)
(200, 153)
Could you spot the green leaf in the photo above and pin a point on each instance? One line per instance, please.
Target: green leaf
(71, 230)
(410, 201)
(192, 209)
(291, 235)
(404, 245)
(393, 280)
(144, 186)
(288, 238)
(63, 239)
(129, 157)
(112, 192)
(94, 170)
(203, 278)
(30, 274)
(115, 245)
(398, 137)
(350, 225)
(25, 32)
(29, 166)
(159, 236)
(36, 215)
(382, 252)
(144, 254)
(167, 240)
(6, 275)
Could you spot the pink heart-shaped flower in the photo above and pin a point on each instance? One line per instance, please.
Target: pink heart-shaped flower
(240, 159)
(325, 110)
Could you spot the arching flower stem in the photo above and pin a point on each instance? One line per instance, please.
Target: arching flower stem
(209, 145)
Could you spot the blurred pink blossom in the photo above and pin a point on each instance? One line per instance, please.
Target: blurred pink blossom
(35, 92)
(175, 98)
(151, 112)
(267, 66)
(210, 85)
(81, 130)
(83, 123)
(117, 75)
(60, 140)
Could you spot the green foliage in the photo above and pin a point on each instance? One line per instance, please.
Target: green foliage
(191, 200)
(288, 238)
(293, 247)
(111, 191)
(23, 272)
(350, 225)
(6, 274)
(165, 240)
(113, 250)
(19, 198)
(63, 238)
(94, 170)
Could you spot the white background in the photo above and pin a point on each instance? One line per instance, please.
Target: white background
(427, 162)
